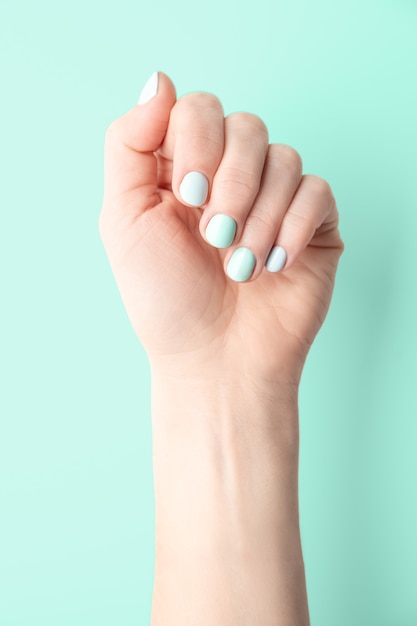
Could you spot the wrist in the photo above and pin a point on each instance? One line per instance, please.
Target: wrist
(222, 390)
(222, 407)
(235, 433)
(225, 454)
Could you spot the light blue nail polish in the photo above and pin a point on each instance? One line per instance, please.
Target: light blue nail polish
(221, 231)
(194, 188)
(241, 265)
(276, 259)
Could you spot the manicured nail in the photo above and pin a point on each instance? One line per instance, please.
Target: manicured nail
(150, 89)
(221, 231)
(194, 188)
(241, 264)
(276, 259)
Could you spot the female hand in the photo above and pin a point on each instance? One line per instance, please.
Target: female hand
(194, 304)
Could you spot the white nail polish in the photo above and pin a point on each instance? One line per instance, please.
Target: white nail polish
(276, 259)
(150, 89)
(194, 188)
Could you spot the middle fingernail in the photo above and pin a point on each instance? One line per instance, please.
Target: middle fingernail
(221, 230)
(241, 265)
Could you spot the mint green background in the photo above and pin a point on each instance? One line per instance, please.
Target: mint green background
(338, 81)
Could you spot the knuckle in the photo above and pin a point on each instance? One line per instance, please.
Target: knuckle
(194, 103)
(320, 187)
(296, 221)
(260, 223)
(288, 158)
(238, 183)
(293, 158)
(249, 124)
(205, 143)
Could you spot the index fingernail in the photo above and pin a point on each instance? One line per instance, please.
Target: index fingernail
(194, 188)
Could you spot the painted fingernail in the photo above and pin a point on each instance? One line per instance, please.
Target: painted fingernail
(194, 188)
(241, 265)
(221, 230)
(276, 259)
(150, 89)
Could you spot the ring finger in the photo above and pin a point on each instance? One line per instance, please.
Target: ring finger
(281, 176)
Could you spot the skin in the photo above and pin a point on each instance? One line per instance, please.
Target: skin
(226, 357)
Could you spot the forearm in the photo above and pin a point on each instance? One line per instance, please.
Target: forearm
(228, 547)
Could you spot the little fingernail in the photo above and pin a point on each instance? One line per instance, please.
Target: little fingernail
(150, 89)
(241, 265)
(194, 188)
(276, 259)
(221, 231)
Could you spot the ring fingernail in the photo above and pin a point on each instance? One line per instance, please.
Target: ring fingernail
(276, 259)
(221, 231)
(194, 188)
(241, 265)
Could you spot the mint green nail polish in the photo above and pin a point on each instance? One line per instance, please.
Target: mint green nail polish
(241, 265)
(221, 231)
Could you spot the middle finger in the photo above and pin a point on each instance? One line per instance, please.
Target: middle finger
(237, 179)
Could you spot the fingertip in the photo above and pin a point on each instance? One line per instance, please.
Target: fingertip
(143, 127)
(158, 84)
(150, 89)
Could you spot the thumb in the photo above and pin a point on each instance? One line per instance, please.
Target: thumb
(130, 166)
